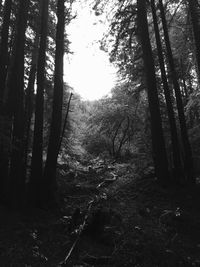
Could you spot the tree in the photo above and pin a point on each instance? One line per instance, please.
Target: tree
(178, 173)
(29, 97)
(195, 19)
(55, 128)
(16, 93)
(4, 48)
(188, 161)
(4, 125)
(158, 144)
(37, 153)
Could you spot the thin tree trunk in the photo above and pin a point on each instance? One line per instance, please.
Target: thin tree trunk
(188, 161)
(158, 143)
(123, 138)
(4, 48)
(194, 9)
(114, 137)
(56, 122)
(4, 120)
(30, 96)
(16, 88)
(65, 121)
(37, 153)
(173, 129)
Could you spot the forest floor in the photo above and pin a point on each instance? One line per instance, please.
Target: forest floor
(110, 216)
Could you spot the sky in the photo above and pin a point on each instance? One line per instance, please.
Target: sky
(88, 70)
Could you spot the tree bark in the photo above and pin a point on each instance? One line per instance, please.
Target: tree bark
(188, 161)
(16, 89)
(4, 127)
(158, 143)
(178, 172)
(4, 48)
(29, 99)
(194, 9)
(37, 153)
(65, 121)
(56, 122)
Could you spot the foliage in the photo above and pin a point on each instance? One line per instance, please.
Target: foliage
(116, 124)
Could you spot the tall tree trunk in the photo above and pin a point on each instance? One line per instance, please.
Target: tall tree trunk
(158, 144)
(30, 96)
(16, 91)
(4, 129)
(178, 172)
(194, 9)
(56, 122)
(37, 153)
(188, 161)
(4, 48)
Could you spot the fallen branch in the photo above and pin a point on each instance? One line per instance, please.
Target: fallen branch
(80, 230)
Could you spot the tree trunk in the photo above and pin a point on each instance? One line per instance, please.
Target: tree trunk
(115, 136)
(178, 172)
(158, 144)
(56, 122)
(4, 48)
(188, 161)
(194, 9)
(37, 153)
(4, 124)
(16, 89)
(122, 141)
(30, 96)
(65, 121)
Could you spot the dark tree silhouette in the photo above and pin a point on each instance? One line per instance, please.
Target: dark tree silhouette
(188, 161)
(4, 48)
(29, 99)
(37, 153)
(178, 172)
(55, 128)
(5, 129)
(16, 93)
(158, 144)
